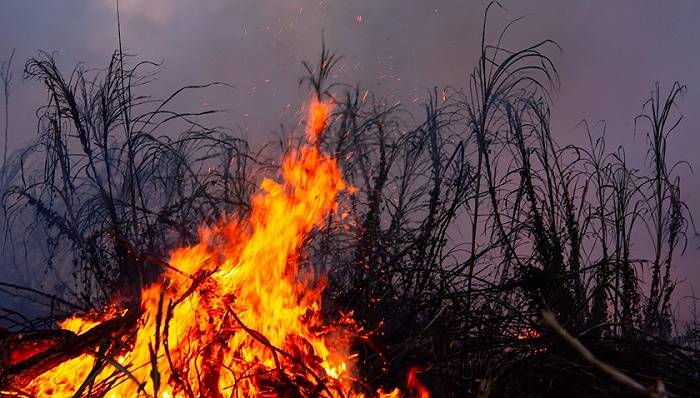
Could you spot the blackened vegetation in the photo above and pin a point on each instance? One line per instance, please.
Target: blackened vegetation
(469, 221)
(111, 194)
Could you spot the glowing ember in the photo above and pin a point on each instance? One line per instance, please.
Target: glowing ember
(527, 334)
(235, 316)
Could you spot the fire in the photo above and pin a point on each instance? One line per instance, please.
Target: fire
(319, 113)
(415, 386)
(527, 333)
(235, 315)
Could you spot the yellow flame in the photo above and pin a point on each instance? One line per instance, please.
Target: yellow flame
(240, 317)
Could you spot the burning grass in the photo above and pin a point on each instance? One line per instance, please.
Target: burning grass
(232, 315)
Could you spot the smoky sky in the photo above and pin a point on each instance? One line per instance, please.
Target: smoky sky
(613, 52)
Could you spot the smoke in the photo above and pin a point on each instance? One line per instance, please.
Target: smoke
(613, 52)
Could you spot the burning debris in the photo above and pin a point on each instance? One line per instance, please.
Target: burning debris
(232, 316)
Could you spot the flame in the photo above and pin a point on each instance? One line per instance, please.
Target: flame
(235, 315)
(319, 112)
(414, 385)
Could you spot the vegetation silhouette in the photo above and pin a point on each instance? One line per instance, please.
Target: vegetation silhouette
(468, 221)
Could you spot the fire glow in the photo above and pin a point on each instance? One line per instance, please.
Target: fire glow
(234, 315)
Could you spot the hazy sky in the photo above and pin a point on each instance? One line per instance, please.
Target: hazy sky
(613, 52)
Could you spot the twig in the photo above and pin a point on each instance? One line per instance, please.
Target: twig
(619, 377)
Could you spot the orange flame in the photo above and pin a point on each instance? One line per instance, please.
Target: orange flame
(236, 316)
(415, 387)
(319, 112)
